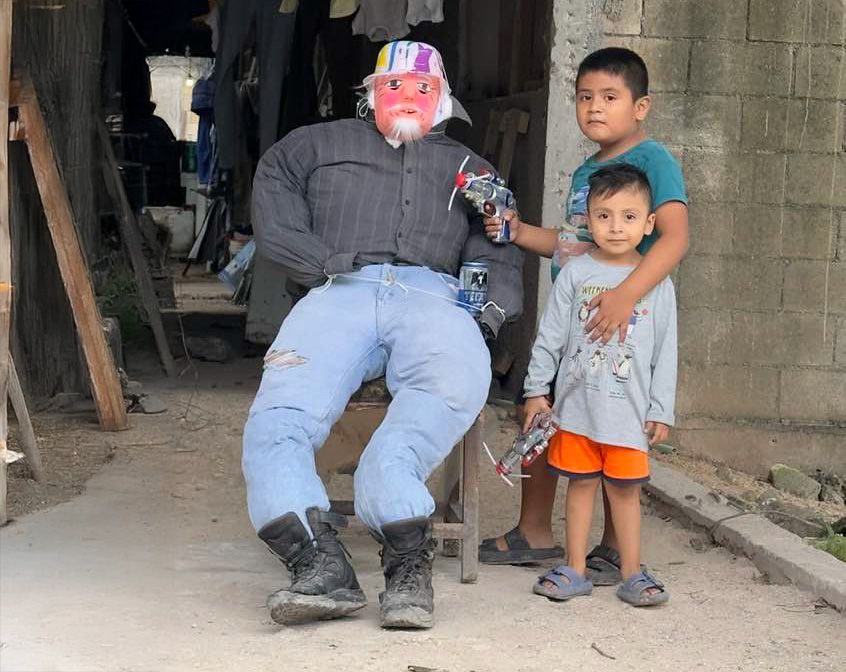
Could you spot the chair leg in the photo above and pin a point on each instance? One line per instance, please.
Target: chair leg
(470, 502)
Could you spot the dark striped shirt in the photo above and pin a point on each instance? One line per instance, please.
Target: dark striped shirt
(334, 197)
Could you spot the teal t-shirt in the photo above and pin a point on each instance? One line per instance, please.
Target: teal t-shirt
(665, 179)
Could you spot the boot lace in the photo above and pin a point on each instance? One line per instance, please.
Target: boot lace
(305, 560)
(411, 566)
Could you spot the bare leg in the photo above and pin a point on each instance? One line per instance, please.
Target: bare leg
(624, 502)
(609, 533)
(581, 494)
(537, 498)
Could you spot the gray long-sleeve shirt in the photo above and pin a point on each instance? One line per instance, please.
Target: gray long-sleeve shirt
(606, 392)
(334, 197)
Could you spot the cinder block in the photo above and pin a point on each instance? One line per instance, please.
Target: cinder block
(757, 230)
(728, 391)
(666, 60)
(809, 179)
(724, 282)
(710, 176)
(621, 17)
(711, 226)
(760, 178)
(840, 343)
(818, 73)
(813, 395)
(809, 233)
(807, 283)
(790, 339)
(704, 336)
(701, 121)
(796, 21)
(762, 445)
(729, 176)
(730, 67)
(713, 19)
(806, 125)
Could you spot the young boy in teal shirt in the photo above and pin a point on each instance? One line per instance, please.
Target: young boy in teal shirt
(612, 102)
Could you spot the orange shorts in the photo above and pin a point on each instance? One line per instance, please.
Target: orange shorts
(577, 456)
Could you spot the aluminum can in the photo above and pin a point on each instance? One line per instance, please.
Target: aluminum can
(473, 286)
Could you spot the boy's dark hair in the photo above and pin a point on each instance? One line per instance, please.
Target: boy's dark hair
(613, 179)
(618, 61)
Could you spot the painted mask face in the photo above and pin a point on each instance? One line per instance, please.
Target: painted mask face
(405, 105)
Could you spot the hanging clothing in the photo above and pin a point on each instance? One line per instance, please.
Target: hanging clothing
(382, 20)
(340, 47)
(425, 10)
(338, 9)
(202, 104)
(274, 32)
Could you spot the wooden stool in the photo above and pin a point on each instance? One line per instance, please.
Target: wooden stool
(457, 509)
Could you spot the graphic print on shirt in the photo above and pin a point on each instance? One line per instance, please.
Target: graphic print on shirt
(575, 227)
(574, 235)
(601, 366)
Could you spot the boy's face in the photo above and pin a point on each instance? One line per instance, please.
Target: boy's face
(605, 109)
(618, 222)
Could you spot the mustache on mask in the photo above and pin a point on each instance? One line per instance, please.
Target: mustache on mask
(406, 130)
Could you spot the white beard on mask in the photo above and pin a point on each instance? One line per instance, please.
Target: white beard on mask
(404, 131)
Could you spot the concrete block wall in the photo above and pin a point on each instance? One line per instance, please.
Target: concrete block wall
(750, 97)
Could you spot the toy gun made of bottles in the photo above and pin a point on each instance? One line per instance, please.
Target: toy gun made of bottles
(526, 446)
(488, 194)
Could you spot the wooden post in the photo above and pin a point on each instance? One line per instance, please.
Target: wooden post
(104, 378)
(29, 444)
(5, 238)
(132, 241)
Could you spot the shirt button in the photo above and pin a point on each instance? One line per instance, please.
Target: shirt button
(407, 202)
(399, 235)
(409, 171)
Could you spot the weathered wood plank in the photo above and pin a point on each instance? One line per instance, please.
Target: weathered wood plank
(29, 444)
(132, 241)
(5, 237)
(74, 270)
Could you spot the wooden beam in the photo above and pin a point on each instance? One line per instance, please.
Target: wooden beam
(5, 238)
(29, 444)
(17, 90)
(132, 241)
(74, 269)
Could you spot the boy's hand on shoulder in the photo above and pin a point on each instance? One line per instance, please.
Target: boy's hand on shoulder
(656, 431)
(615, 311)
(533, 406)
(494, 224)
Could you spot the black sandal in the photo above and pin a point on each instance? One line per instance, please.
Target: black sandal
(519, 552)
(603, 566)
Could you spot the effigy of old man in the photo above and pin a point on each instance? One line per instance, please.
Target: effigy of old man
(357, 210)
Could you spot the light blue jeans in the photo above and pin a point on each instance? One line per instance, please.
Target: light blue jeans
(364, 325)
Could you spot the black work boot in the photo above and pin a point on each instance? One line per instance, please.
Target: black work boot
(408, 600)
(323, 583)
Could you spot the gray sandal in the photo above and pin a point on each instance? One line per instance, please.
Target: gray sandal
(635, 590)
(568, 584)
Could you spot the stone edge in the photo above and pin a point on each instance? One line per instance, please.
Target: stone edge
(781, 555)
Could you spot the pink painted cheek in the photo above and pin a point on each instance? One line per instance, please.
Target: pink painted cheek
(387, 98)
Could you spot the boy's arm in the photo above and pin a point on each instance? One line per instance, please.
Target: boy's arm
(533, 238)
(616, 305)
(662, 388)
(552, 339)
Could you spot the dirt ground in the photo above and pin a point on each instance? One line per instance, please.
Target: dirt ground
(152, 565)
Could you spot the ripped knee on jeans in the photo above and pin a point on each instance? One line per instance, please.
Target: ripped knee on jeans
(283, 359)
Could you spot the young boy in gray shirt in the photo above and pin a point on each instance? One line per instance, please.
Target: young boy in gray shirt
(611, 400)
